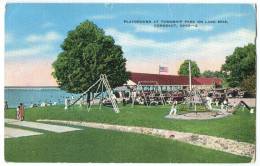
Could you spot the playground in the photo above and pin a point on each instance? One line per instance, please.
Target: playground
(193, 122)
(238, 130)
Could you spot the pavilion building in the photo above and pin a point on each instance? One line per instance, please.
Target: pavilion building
(171, 82)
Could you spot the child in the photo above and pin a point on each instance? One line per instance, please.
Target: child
(226, 104)
(18, 113)
(174, 108)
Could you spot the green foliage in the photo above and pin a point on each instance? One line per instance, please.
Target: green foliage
(184, 69)
(249, 84)
(209, 73)
(240, 65)
(86, 53)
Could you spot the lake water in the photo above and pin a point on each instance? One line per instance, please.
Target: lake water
(29, 96)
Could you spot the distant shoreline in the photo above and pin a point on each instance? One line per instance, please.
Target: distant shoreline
(31, 87)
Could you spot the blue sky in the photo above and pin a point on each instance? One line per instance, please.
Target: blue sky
(34, 33)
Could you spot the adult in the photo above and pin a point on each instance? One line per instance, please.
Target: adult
(21, 111)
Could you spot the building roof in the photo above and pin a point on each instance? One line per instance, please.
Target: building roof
(151, 79)
(207, 81)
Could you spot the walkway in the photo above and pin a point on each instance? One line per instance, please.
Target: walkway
(12, 132)
(41, 126)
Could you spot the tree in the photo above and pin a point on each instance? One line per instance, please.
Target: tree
(209, 73)
(240, 65)
(86, 53)
(184, 69)
(249, 84)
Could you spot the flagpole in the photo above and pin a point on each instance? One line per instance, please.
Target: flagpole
(190, 74)
(190, 81)
(159, 69)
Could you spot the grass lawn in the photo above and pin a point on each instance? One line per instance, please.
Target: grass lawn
(240, 126)
(96, 145)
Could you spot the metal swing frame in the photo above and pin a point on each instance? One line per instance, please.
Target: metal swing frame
(103, 83)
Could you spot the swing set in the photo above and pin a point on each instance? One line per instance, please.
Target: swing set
(103, 87)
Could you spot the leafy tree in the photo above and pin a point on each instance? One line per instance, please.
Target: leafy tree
(240, 65)
(86, 53)
(249, 84)
(208, 73)
(184, 68)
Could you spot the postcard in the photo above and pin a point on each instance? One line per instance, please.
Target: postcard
(130, 83)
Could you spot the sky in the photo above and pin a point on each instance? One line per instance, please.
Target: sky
(34, 33)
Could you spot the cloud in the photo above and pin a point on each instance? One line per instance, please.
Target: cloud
(47, 37)
(200, 28)
(229, 15)
(34, 46)
(148, 28)
(30, 51)
(102, 17)
(209, 52)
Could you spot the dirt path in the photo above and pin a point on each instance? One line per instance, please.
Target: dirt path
(217, 143)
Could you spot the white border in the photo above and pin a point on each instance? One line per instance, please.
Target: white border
(2, 15)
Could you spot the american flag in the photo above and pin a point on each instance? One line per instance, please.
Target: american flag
(163, 69)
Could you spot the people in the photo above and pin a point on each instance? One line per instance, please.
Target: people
(225, 103)
(88, 100)
(124, 102)
(43, 104)
(6, 105)
(18, 112)
(174, 108)
(209, 101)
(22, 111)
(216, 102)
(66, 103)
